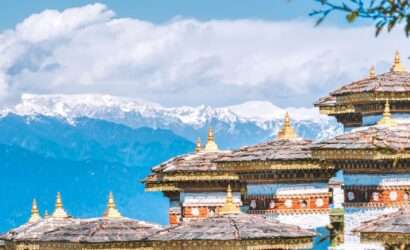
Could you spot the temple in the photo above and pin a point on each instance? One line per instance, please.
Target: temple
(390, 230)
(331, 186)
(231, 230)
(361, 103)
(348, 192)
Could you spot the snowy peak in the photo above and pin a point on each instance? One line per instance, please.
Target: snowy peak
(235, 126)
(77, 105)
(93, 105)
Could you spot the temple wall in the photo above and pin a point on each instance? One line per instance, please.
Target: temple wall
(203, 204)
(207, 199)
(377, 179)
(287, 189)
(21, 246)
(309, 221)
(353, 218)
(304, 198)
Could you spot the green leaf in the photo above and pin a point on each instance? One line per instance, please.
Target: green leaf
(351, 17)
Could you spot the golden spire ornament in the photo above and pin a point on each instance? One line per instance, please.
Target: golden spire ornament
(397, 66)
(59, 211)
(287, 132)
(46, 215)
(112, 211)
(35, 215)
(387, 120)
(229, 207)
(198, 147)
(372, 72)
(211, 146)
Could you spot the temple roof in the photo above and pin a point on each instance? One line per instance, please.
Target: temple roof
(274, 150)
(398, 222)
(102, 230)
(328, 101)
(34, 231)
(388, 82)
(395, 138)
(202, 161)
(231, 227)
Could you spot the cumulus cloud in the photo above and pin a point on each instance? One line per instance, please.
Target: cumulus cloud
(185, 61)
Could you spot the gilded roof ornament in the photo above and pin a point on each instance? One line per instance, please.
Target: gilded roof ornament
(287, 132)
(211, 146)
(46, 215)
(112, 211)
(59, 211)
(397, 66)
(35, 215)
(229, 207)
(372, 72)
(387, 120)
(198, 147)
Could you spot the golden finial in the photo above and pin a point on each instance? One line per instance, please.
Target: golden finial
(229, 207)
(35, 215)
(211, 146)
(397, 66)
(46, 215)
(387, 120)
(372, 72)
(112, 211)
(59, 211)
(198, 147)
(287, 132)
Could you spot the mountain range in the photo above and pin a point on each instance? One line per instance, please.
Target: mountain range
(88, 145)
(235, 126)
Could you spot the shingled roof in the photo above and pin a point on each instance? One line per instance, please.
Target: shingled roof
(102, 230)
(326, 101)
(398, 222)
(32, 232)
(387, 82)
(202, 161)
(231, 227)
(393, 138)
(274, 150)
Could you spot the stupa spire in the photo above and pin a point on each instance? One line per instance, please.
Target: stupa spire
(229, 207)
(46, 215)
(59, 211)
(387, 120)
(211, 146)
(35, 215)
(198, 147)
(112, 211)
(397, 66)
(372, 72)
(287, 132)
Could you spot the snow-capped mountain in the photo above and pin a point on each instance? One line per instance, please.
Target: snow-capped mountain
(238, 125)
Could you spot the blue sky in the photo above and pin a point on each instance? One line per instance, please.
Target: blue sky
(158, 11)
(184, 52)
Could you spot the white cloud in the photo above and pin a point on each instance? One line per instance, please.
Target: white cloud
(185, 61)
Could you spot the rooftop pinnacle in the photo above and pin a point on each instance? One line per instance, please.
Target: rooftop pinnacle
(397, 66)
(229, 207)
(211, 146)
(112, 211)
(387, 120)
(59, 211)
(35, 215)
(287, 132)
(198, 147)
(372, 72)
